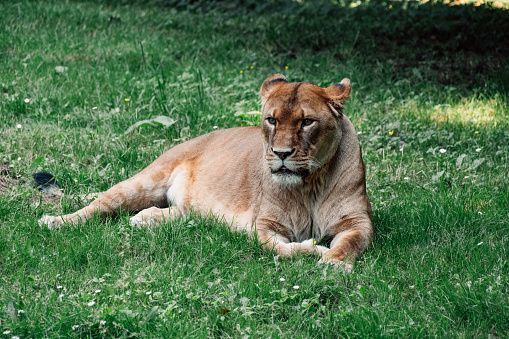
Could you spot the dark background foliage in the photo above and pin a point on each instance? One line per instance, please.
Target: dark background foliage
(464, 44)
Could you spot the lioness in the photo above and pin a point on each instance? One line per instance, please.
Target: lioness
(297, 179)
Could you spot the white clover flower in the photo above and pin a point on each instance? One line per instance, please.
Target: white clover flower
(61, 296)
(359, 132)
(296, 287)
(27, 100)
(442, 150)
(19, 158)
(480, 212)
(92, 303)
(102, 322)
(477, 149)
(20, 311)
(215, 127)
(18, 126)
(59, 286)
(61, 69)
(406, 178)
(97, 291)
(148, 293)
(281, 279)
(94, 107)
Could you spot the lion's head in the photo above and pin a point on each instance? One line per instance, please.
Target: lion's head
(301, 126)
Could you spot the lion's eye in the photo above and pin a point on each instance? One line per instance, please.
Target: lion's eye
(271, 121)
(307, 122)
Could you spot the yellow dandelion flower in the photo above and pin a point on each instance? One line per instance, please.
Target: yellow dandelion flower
(314, 242)
(126, 99)
(286, 67)
(251, 67)
(241, 72)
(476, 132)
(391, 132)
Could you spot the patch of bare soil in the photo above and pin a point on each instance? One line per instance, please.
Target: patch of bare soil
(46, 199)
(7, 178)
(10, 184)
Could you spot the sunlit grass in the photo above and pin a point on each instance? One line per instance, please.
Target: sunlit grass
(494, 3)
(474, 111)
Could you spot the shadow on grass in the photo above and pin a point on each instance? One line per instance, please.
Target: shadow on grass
(451, 44)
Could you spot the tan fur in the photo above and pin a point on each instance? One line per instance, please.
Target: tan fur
(238, 174)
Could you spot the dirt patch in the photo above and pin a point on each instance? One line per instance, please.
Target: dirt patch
(44, 199)
(7, 178)
(10, 184)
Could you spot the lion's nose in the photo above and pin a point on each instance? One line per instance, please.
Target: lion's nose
(283, 154)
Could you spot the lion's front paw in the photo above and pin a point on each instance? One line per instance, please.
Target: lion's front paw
(342, 265)
(52, 222)
(321, 250)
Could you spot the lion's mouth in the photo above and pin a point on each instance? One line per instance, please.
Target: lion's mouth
(284, 170)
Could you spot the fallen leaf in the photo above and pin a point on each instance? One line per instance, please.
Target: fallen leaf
(224, 311)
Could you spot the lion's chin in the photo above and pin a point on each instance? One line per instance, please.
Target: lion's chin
(287, 178)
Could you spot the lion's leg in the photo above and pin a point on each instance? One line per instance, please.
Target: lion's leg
(154, 216)
(283, 247)
(349, 243)
(134, 194)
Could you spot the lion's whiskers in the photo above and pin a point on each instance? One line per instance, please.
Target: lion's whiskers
(314, 164)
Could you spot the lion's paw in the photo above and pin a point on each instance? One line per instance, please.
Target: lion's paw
(341, 265)
(148, 217)
(140, 221)
(137, 221)
(51, 222)
(318, 248)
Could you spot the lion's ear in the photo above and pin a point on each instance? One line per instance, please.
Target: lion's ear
(270, 84)
(339, 92)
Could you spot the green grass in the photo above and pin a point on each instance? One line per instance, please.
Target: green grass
(426, 78)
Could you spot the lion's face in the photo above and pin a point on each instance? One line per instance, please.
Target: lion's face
(301, 126)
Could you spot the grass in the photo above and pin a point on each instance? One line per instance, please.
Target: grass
(429, 101)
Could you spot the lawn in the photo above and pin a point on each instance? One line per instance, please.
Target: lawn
(83, 87)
